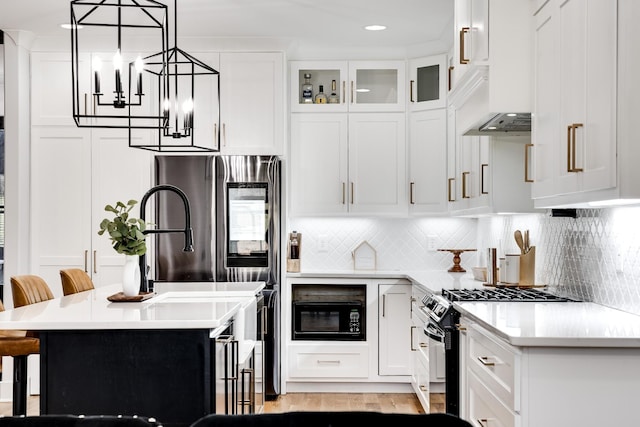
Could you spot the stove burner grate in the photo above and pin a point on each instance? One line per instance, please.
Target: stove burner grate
(501, 294)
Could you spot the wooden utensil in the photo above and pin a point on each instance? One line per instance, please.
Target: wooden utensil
(526, 241)
(519, 240)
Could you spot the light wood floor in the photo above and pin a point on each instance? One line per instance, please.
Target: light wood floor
(381, 402)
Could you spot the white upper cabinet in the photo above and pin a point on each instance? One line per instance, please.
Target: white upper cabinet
(427, 168)
(471, 36)
(492, 63)
(252, 103)
(428, 82)
(348, 163)
(576, 94)
(355, 86)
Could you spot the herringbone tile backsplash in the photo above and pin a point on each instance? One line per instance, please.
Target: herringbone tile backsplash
(594, 257)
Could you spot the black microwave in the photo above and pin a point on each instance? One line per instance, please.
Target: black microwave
(328, 320)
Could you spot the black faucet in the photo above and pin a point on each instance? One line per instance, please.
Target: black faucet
(188, 232)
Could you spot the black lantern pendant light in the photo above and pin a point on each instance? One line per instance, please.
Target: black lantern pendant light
(103, 94)
(188, 102)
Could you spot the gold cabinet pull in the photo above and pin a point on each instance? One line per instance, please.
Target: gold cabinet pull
(573, 149)
(527, 148)
(569, 148)
(411, 186)
(449, 74)
(86, 252)
(343, 193)
(344, 91)
(485, 361)
(85, 104)
(411, 91)
(412, 348)
(463, 31)
(352, 193)
(224, 134)
(484, 422)
(483, 167)
(95, 262)
(423, 387)
(464, 185)
(449, 192)
(352, 97)
(424, 345)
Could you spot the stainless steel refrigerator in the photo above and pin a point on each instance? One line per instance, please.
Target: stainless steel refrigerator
(235, 217)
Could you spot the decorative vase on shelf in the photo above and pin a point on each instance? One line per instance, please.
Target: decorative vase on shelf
(131, 276)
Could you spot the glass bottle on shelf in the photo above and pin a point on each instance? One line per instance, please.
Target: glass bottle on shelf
(321, 98)
(307, 90)
(333, 97)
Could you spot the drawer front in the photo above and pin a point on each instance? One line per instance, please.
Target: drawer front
(329, 361)
(497, 364)
(421, 378)
(485, 409)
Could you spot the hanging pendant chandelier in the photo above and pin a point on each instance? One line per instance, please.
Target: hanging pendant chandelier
(105, 35)
(187, 101)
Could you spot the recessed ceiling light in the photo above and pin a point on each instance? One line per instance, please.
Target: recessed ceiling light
(375, 27)
(69, 26)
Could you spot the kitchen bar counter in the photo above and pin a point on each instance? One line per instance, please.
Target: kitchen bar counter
(208, 307)
(167, 357)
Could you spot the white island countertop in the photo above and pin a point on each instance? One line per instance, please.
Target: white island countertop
(197, 306)
(555, 324)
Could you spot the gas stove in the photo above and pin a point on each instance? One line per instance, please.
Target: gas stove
(501, 294)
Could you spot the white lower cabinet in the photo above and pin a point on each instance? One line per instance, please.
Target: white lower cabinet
(505, 385)
(74, 174)
(321, 360)
(394, 329)
(383, 361)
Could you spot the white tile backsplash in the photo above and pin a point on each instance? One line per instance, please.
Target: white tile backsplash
(594, 257)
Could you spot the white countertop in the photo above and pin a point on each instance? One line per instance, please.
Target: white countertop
(202, 306)
(525, 324)
(556, 324)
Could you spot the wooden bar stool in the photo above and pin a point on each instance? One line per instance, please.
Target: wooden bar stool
(75, 280)
(19, 345)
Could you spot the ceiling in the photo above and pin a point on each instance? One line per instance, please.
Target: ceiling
(328, 23)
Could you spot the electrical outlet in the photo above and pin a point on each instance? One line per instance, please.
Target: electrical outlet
(323, 243)
(620, 263)
(432, 243)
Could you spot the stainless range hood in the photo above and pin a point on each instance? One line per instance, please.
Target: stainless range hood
(512, 123)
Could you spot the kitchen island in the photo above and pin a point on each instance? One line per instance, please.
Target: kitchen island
(158, 358)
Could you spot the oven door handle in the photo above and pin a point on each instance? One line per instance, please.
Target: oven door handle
(434, 332)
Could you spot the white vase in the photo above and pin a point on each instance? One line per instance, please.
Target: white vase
(131, 276)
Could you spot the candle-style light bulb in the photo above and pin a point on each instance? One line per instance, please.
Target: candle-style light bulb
(117, 66)
(139, 65)
(97, 66)
(166, 106)
(187, 109)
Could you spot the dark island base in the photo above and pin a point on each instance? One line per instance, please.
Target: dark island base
(165, 374)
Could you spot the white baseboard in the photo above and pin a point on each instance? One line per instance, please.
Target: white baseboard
(318, 387)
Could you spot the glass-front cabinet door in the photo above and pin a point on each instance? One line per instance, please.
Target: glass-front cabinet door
(427, 82)
(360, 86)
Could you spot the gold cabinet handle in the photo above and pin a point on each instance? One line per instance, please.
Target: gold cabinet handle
(224, 134)
(449, 192)
(423, 387)
(411, 186)
(85, 261)
(449, 74)
(483, 167)
(527, 148)
(344, 91)
(460, 327)
(412, 348)
(343, 193)
(573, 150)
(424, 345)
(411, 91)
(464, 185)
(485, 361)
(463, 31)
(484, 422)
(352, 193)
(95, 262)
(85, 104)
(352, 97)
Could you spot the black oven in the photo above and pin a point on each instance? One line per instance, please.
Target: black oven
(327, 320)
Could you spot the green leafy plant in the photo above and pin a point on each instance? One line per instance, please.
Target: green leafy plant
(126, 233)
